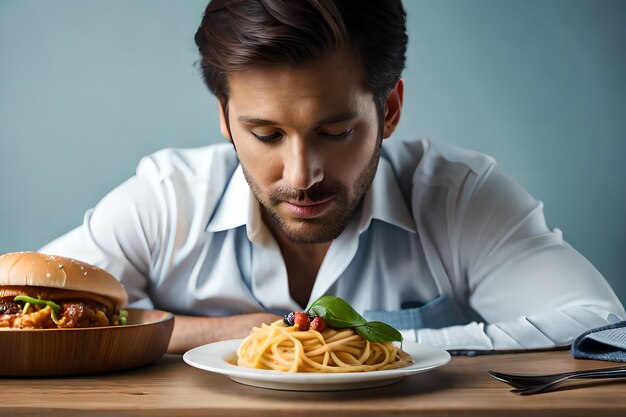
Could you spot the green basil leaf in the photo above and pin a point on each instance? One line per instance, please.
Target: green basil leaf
(377, 331)
(337, 313)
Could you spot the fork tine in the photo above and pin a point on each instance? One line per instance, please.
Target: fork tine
(552, 381)
(536, 389)
(521, 381)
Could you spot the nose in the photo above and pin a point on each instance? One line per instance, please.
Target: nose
(302, 165)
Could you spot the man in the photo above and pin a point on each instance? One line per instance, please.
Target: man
(314, 198)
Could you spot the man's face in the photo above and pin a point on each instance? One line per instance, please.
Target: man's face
(308, 141)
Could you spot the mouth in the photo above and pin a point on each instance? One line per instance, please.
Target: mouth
(308, 209)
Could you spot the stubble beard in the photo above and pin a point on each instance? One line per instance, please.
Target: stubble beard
(327, 227)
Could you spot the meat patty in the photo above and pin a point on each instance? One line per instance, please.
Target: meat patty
(72, 314)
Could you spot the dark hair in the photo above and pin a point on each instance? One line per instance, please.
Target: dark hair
(237, 35)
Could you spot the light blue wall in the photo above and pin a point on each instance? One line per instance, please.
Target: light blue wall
(87, 87)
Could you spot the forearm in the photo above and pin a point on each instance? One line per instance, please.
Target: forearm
(549, 329)
(190, 331)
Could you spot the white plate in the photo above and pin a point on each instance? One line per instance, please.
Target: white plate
(213, 358)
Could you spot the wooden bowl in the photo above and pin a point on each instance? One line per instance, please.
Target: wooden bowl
(60, 352)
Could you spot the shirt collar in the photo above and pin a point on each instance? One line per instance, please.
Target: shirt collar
(383, 201)
(234, 206)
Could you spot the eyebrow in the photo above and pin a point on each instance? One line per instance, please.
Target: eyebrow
(338, 118)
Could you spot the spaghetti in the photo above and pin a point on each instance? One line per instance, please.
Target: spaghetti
(285, 348)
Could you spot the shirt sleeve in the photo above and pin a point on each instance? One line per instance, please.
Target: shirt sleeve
(530, 287)
(119, 235)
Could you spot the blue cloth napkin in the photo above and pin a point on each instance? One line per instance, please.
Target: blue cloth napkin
(606, 343)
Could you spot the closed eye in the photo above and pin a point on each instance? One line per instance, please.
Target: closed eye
(268, 138)
(278, 135)
(339, 136)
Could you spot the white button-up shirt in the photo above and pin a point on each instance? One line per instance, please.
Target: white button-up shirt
(444, 247)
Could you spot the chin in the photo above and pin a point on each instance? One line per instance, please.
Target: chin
(307, 232)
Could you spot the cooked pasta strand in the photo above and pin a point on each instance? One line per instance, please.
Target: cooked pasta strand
(286, 349)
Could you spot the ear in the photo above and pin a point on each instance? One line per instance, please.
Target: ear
(393, 109)
(222, 105)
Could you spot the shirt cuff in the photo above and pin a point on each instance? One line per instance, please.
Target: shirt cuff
(468, 337)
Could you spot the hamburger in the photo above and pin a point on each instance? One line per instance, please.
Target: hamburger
(40, 291)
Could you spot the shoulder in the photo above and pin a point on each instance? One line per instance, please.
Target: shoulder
(420, 164)
(214, 163)
(173, 189)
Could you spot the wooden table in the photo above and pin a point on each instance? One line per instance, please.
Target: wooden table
(462, 388)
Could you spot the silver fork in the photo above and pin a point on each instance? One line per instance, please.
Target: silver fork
(533, 384)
